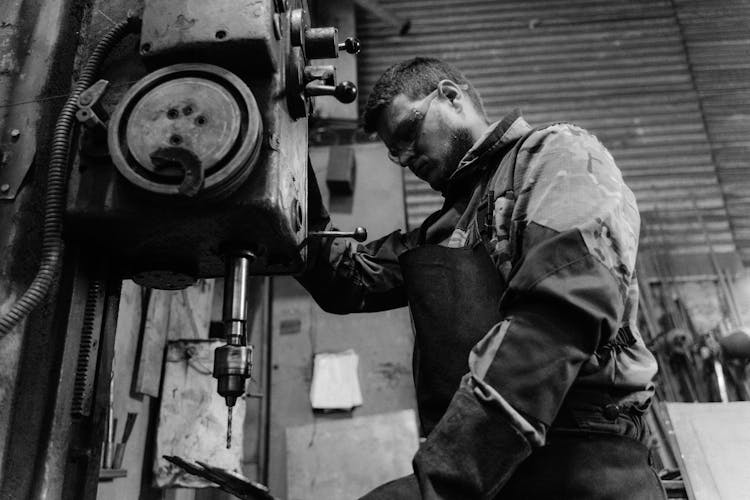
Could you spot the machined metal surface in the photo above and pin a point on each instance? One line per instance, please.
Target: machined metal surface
(322, 43)
(197, 30)
(232, 367)
(235, 294)
(186, 130)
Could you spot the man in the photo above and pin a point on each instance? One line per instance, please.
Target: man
(530, 373)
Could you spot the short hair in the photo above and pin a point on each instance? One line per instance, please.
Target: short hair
(415, 78)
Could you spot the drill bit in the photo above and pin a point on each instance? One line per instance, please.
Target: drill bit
(229, 426)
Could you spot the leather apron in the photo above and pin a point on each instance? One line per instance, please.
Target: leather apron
(453, 295)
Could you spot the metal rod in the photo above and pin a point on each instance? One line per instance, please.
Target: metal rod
(359, 234)
(110, 424)
(720, 381)
(267, 355)
(229, 426)
(235, 297)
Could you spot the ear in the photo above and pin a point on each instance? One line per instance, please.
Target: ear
(452, 91)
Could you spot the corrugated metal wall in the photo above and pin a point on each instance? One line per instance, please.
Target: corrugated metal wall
(717, 37)
(616, 67)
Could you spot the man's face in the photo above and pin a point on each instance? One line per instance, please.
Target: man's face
(425, 135)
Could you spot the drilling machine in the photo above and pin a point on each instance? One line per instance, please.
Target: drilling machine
(190, 161)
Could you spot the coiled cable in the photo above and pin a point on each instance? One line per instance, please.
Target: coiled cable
(54, 203)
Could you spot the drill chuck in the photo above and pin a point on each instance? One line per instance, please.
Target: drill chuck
(232, 366)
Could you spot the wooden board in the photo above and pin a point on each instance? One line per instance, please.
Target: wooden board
(171, 315)
(714, 445)
(190, 312)
(147, 379)
(344, 458)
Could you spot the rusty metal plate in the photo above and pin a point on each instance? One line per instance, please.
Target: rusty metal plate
(17, 151)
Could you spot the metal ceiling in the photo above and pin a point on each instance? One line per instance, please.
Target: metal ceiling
(616, 67)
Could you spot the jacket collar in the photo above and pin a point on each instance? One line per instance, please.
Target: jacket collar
(498, 136)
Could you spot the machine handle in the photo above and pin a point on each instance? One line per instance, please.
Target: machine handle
(359, 234)
(345, 92)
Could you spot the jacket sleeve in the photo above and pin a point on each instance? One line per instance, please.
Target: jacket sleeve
(576, 229)
(344, 277)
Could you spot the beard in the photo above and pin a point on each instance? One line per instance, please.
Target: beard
(460, 143)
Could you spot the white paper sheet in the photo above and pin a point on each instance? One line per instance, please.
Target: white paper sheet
(335, 383)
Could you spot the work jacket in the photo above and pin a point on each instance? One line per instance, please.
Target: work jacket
(551, 209)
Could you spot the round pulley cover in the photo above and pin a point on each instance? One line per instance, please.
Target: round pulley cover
(189, 130)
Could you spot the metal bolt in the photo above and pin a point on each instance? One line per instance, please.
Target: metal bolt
(85, 99)
(15, 134)
(5, 188)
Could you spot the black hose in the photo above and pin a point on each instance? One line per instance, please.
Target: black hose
(54, 203)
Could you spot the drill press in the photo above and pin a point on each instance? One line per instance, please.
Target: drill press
(203, 169)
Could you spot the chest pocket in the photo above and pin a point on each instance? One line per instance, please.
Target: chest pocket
(493, 224)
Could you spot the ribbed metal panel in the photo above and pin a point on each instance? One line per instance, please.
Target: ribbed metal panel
(717, 37)
(616, 67)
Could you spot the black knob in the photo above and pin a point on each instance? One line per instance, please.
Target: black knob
(360, 234)
(351, 45)
(345, 92)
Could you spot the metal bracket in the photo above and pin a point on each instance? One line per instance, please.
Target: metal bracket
(90, 111)
(17, 151)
